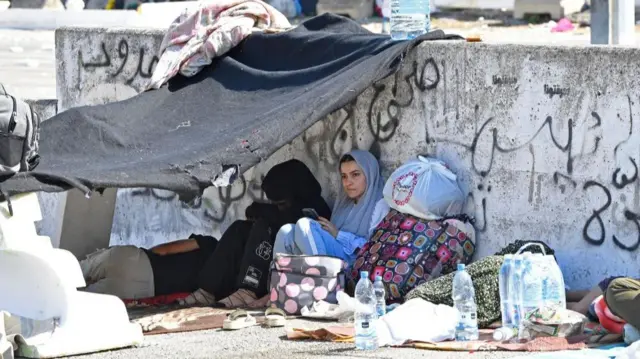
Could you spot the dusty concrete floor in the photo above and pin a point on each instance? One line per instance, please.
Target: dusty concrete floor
(266, 343)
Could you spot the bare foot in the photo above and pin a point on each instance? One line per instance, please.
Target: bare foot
(240, 299)
(260, 303)
(198, 298)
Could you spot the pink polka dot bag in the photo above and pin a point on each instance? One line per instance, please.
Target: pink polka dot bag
(298, 281)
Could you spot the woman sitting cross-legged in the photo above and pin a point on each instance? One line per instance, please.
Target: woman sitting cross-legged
(359, 208)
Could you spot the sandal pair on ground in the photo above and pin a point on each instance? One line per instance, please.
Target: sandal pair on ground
(240, 319)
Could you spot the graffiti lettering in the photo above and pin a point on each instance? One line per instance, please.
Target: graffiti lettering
(504, 80)
(503, 149)
(166, 196)
(425, 79)
(596, 215)
(429, 75)
(557, 177)
(555, 90)
(621, 181)
(226, 197)
(123, 54)
(633, 217)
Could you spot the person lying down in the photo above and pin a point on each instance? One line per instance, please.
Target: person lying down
(232, 271)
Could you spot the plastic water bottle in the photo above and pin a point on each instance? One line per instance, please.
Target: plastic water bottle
(505, 298)
(630, 334)
(515, 296)
(409, 18)
(378, 289)
(532, 277)
(365, 315)
(553, 290)
(386, 15)
(464, 300)
(531, 285)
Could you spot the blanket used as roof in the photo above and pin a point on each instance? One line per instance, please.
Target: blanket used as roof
(219, 123)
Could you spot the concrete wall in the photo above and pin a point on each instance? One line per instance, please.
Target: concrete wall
(545, 141)
(50, 203)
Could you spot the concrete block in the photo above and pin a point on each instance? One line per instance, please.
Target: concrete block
(357, 9)
(557, 9)
(87, 222)
(6, 349)
(600, 22)
(39, 283)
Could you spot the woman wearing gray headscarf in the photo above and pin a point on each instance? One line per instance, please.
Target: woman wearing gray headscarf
(359, 208)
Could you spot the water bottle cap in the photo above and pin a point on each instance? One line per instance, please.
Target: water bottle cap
(364, 274)
(461, 266)
(378, 278)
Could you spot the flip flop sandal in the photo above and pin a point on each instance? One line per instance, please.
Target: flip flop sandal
(275, 317)
(238, 319)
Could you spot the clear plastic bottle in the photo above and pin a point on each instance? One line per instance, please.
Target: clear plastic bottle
(532, 277)
(630, 334)
(386, 15)
(365, 315)
(531, 286)
(463, 296)
(515, 284)
(553, 290)
(409, 18)
(505, 298)
(378, 289)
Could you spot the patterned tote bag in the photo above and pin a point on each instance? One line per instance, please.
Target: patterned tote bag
(407, 251)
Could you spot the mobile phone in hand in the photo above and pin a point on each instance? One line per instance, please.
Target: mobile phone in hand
(310, 213)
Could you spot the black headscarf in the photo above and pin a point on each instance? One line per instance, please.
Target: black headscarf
(290, 181)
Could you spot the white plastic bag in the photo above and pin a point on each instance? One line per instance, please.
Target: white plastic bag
(417, 320)
(424, 188)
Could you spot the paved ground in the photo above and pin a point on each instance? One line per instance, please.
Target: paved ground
(27, 67)
(27, 63)
(267, 343)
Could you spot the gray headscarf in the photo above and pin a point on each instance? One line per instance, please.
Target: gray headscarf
(356, 218)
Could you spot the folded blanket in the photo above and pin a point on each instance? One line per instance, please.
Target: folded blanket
(199, 35)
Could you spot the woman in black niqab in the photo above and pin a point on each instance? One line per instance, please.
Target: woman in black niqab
(236, 274)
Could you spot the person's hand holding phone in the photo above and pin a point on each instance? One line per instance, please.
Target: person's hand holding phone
(328, 226)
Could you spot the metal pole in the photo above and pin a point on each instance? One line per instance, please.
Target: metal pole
(600, 28)
(623, 22)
